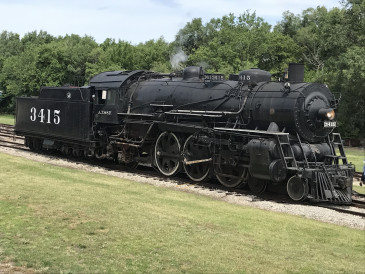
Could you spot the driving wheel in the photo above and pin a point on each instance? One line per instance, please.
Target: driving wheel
(230, 174)
(257, 186)
(196, 159)
(167, 153)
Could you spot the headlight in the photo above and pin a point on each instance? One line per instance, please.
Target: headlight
(331, 115)
(327, 113)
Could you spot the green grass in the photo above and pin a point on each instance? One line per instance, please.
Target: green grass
(359, 189)
(55, 219)
(356, 155)
(7, 119)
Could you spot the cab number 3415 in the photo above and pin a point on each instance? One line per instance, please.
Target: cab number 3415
(47, 116)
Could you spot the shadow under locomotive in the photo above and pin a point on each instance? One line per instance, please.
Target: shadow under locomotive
(247, 130)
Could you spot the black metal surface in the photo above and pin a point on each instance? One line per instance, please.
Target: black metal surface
(113, 79)
(243, 129)
(294, 110)
(254, 76)
(296, 72)
(56, 118)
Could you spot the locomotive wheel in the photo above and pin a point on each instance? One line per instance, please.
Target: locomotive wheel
(132, 153)
(297, 188)
(231, 176)
(193, 153)
(77, 152)
(29, 143)
(257, 186)
(167, 153)
(35, 144)
(131, 165)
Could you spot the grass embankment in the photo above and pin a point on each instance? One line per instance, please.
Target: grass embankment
(7, 119)
(55, 219)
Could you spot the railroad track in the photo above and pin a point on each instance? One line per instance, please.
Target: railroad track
(9, 139)
(6, 127)
(347, 209)
(357, 208)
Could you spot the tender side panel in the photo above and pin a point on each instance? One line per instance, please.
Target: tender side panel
(59, 119)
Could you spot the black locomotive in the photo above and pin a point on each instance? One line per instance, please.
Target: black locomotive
(247, 130)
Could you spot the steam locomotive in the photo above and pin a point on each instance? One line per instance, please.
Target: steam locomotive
(247, 130)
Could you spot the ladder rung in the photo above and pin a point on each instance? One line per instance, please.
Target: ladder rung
(288, 158)
(335, 156)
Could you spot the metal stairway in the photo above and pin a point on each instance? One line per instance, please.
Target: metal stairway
(336, 142)
(286, 152)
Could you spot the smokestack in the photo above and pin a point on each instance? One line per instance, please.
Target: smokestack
(296, 72)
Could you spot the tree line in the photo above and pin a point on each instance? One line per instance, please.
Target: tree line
(331, 44)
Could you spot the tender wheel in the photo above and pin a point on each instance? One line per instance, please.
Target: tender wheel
(35, 144)
(167, 153)
(257, 186)
(28, 143)
(197, 159)
(77, 152)
(64, 149)
(297, 188)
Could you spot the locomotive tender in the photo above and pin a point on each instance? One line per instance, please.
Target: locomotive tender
(247, 130)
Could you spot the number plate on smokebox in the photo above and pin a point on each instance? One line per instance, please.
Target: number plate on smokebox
(329, 124)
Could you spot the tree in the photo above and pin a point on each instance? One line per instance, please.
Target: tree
(19, 75)
(193, 36)
(61, 61)
(36, 39)
(9, 46)
(290, 24)
(278, 51)
(238, 43)
(152, 54)
(351, 82)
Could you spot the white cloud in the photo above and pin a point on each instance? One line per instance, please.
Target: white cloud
(134, 21)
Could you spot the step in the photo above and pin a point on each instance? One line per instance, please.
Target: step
(335, 156)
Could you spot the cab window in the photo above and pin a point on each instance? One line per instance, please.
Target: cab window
(110, 97)
(107, 97)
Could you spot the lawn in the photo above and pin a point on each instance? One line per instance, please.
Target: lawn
(55, 219)
(356, 155)
(7, 119)
(359, 189)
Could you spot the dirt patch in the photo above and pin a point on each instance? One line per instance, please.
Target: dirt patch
(9, 267)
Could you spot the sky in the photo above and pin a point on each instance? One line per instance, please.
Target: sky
(135, 21)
